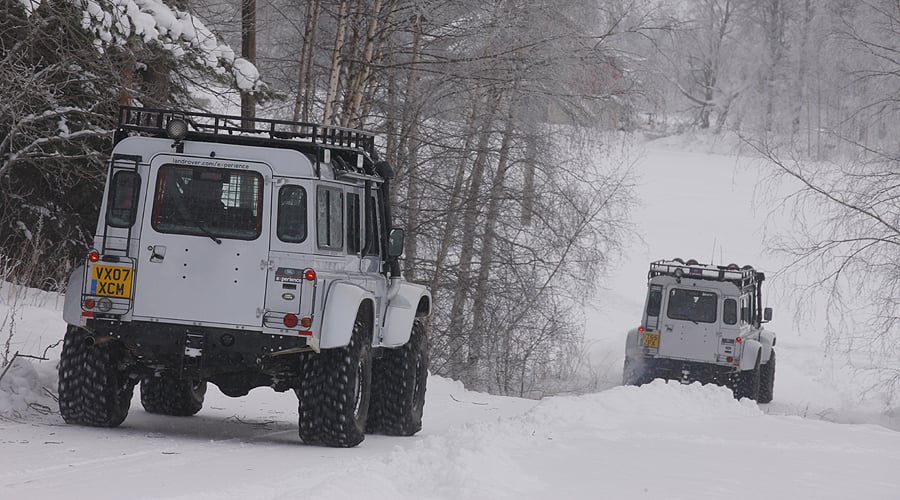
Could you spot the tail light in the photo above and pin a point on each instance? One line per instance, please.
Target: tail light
(290, 320)
(93, 256)
(309, 274)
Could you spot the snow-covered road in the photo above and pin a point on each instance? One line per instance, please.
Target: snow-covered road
(658, 441)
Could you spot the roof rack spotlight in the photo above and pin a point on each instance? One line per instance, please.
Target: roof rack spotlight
(177, 128)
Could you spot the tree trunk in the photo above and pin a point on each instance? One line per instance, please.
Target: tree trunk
(470, 209)
(304, 72)
(356, 89)
(248, 52)
(411, 147)
(335, 71)
(528, 191)
(476, 361)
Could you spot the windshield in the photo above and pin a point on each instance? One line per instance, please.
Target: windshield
(208, 202)
(692, 305)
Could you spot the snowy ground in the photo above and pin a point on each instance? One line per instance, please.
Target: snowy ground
(828, 434)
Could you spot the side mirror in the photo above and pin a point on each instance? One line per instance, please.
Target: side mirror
(767, 314)
(396, 240)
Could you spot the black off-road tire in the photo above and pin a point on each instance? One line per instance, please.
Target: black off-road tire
(168, 395)
(335, 389)
(637, 372)
(767, 380)
(398, 387)
(311, 397)
(94, 389)
(748, 383)
(631, 373)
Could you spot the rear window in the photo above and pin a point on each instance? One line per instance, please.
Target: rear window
(208, 201)
(692, 305)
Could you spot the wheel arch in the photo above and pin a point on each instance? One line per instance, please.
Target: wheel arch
(342, 304)
(411, 301)
(751, 352)
(631, 342)
(72, 304)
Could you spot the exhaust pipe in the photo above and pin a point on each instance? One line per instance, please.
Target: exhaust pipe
(92, 340)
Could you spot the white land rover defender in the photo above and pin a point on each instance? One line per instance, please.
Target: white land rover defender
(704, 323)
(246, 257)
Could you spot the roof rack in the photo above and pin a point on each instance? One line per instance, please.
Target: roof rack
(740, 276)
(224, 128)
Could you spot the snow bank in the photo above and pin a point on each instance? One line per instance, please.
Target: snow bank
(484, 459)
(27, 391)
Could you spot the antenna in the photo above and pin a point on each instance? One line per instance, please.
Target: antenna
(712, 258)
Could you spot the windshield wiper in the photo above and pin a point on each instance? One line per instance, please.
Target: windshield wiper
(206, 231)
(179, 203)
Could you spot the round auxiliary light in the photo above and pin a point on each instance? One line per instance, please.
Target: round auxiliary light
(177, 129)
(93, 256)
(306, 322)
(738, 339)
(679, 272)
(104, 304)
(88, 303)
(309, 274)
(290, 320)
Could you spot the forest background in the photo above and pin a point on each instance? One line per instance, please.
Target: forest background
(510, 124)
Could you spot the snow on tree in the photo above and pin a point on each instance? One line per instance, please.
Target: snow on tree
(64, 65)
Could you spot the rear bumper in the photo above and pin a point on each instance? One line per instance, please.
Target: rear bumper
(207, 353)
(689, 371)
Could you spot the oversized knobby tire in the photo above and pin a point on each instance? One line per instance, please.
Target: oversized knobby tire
(767, 380)
(168, 395)
(637, 371)
(398, 387)
(335, 389)
(94, 389)
(632, 372)
(747, 383)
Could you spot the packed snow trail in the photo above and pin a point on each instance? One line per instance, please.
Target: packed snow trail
(656, 441)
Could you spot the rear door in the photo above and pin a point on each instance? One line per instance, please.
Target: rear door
(204, 242)
(690, 322)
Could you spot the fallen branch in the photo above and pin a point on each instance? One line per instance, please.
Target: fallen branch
(9, 365)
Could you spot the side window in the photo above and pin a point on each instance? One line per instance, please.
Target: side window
(121, 209)
(745, 309)
(373, 234)
(291, 225)
(729, 314)
(330, 218)
(354, 230)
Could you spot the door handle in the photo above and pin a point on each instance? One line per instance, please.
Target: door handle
(157, 253)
